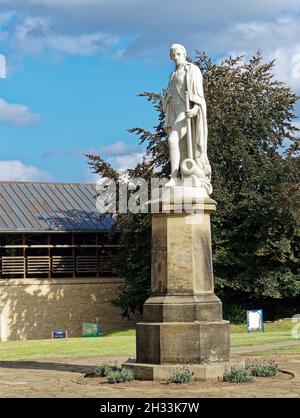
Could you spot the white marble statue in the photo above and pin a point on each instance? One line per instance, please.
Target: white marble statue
(185, 123)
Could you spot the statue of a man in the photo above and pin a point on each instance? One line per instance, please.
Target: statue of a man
(183, 100)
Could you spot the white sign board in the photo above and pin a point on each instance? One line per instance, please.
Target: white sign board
(255, 320)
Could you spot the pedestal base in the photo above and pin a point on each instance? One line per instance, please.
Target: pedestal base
(204, 372)
(182, 319)
(183, 342)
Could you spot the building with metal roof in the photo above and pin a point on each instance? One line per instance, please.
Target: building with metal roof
(60, 207)
(53, 229)
(57, 259)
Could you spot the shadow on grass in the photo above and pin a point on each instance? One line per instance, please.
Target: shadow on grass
(118, 332)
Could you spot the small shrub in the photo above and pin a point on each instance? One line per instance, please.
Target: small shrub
(119, 376)
(263, 369)
(105, 368)
(234, 313)
(127, 375)
(181, 375)
(238, 375)
(114, 377)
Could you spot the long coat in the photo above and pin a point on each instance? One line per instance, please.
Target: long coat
(194, 84)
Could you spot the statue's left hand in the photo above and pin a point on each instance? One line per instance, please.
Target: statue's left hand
(191, 113)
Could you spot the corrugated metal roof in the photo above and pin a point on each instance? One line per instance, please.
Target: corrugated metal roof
(46, 207)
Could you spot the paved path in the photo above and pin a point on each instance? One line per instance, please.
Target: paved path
(57, 378)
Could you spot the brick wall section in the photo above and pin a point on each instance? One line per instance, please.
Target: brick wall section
(33, 308)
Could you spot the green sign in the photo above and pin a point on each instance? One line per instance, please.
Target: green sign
(91, 329)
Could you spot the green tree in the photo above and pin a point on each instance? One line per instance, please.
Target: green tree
(253, 147)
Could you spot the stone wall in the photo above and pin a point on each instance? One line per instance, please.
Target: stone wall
(33, 308)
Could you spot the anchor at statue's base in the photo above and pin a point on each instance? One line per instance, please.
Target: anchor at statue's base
(192, 175)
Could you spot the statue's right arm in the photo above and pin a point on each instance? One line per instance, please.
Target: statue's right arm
(166, 104)
(165, 100)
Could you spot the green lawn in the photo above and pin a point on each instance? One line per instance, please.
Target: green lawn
(274, 332)
(122, 342)
(112, 342)
(283, 350)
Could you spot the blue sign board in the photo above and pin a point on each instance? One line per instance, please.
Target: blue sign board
(255, 320)
(58, 333)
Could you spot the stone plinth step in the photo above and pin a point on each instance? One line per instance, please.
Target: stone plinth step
(161, 372)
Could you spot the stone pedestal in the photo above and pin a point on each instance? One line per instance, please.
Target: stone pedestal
(182, 319)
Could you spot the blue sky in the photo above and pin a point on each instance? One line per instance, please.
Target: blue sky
(74, 69)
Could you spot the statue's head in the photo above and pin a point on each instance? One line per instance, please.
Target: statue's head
(178, 53)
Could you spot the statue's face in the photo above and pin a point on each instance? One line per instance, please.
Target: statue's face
(178, 56)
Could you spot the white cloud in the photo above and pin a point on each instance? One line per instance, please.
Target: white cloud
(81, 45)
(29, 35)
(280, 31)
(14, 170)
(138, 29)
(118, 148)
(287, 68)
(91, 177)
(296, 123)
(278, 39)
(121, 155)
(17, 114)
(5, 17)
(123, 162)
(54, 153)
(149, 26)
(55, 3)
(34, 34)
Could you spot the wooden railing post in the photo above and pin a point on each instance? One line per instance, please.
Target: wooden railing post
(24, 255)
(49, 255)
(73, 254)
(97, 255)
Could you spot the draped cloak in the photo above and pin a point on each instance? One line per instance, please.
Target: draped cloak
(194, 86)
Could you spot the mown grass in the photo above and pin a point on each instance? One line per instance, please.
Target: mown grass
(276, 331)
(283, 350)
(121, 342)
(114, 342)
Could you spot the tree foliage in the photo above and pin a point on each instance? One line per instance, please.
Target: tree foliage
(253, 148)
